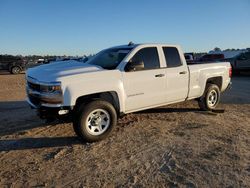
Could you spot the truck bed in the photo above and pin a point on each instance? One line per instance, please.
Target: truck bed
(200, 72)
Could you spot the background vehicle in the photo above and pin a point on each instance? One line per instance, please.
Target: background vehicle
(12, 63)
(122, 80)
(211, 57)
(240, 62)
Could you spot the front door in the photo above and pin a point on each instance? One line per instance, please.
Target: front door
(144, 86)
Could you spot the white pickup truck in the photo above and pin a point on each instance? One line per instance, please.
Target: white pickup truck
(121, 80)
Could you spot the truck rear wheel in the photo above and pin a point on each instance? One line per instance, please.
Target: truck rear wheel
(95, 120)
(210, 98)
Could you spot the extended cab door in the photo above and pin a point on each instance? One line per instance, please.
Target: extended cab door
(177, 75)
(144, 80)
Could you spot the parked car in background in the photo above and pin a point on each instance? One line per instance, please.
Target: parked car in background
(40, 61)
(240, 62)
(211, 57)
(13, 64)
(229, 53)
(68, 59)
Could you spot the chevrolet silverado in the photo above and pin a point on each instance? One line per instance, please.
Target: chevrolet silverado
(121, 80)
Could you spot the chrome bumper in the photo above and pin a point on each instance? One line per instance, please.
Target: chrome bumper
(43, 105)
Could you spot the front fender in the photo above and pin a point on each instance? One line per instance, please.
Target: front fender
(103, 83)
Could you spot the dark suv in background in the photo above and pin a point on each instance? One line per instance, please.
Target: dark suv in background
(240, 62)
(12, 64)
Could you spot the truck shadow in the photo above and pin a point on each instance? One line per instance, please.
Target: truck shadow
(16, 116)
(17, 119)
(168, 110)
(35, 143)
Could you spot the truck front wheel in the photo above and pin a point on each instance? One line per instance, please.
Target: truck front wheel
(95, 120)
(210, 98)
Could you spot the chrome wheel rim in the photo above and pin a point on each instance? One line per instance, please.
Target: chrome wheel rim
(97, 122)
(212, 98)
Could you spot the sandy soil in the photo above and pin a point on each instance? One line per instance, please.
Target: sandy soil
(172, 146)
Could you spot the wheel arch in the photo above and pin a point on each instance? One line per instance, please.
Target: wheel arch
(109, 96)
(215, 80)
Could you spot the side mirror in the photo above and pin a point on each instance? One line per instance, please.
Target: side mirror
(135, 66)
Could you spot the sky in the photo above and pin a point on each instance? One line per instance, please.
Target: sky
(78, 27)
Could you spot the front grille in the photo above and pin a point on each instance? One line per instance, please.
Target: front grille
(33, 98)
(35, 87)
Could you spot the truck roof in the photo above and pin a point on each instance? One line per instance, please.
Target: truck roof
(129, 46)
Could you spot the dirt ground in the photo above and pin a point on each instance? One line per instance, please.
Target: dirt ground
(171, 146)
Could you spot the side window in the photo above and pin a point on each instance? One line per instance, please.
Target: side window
(147, 56)
(172, 57)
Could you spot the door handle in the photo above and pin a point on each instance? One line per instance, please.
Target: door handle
(183, 72)
(159, 75)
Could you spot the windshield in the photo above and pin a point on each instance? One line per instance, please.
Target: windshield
(110, 58)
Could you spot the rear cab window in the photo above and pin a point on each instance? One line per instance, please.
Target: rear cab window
(172, 57)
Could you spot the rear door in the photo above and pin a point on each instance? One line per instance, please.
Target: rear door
(146, 87)
(177, 75)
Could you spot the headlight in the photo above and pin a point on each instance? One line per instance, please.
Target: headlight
(51, 93)
(50, 87)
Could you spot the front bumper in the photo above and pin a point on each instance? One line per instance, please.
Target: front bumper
(46, 111)
(37, 99)
(47, 103)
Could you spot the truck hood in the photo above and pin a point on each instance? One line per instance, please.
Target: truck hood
(54, 71)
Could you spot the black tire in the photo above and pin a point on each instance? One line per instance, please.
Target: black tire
(75, 126)
(205, 100)
(87, 132)
(15, 70)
